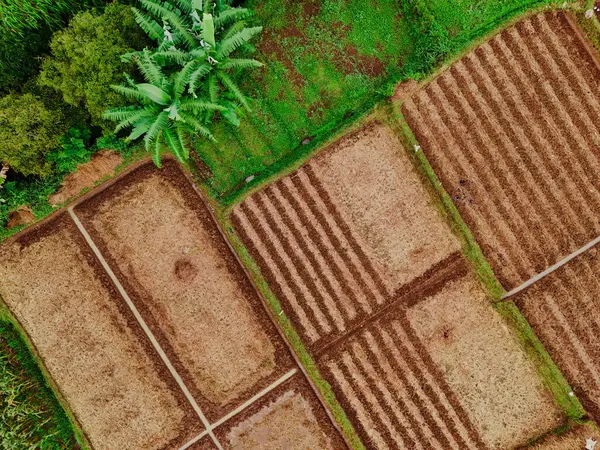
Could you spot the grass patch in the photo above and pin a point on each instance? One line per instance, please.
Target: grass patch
(30, 415)
(291, 334)
(471, 248)
(547, 370)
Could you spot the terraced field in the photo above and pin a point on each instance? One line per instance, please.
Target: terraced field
(511, 130)
(331, 261)
(562, 309)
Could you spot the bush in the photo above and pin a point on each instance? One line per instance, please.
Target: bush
(86, 58)
(28, 132)
(74, 150)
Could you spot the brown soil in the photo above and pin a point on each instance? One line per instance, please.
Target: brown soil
(103, 164)
(206, 443)
(442, 374)
(90, 343)
(288, 418)
(484, 365)
(159, 238)
(574, 439)
(512, 132)
(338, 237)
(22, 216)
(349, 61)
(562, 309)
(405, 89)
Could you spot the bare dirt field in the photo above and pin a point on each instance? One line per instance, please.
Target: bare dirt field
(574, 439)
(512, 131)
(442, 372)
(289, 418)
(90, 343)
(338, 237)
(563, 311)
(158, 237)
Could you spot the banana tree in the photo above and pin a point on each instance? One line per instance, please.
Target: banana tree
(164, 115)
(201, 36)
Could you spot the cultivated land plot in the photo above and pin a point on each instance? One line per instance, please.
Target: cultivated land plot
(562, 308)
(440, 371)
(574, 439)
(157, 235)
(289, 418)
(90, 343)
(340, 236)
(512, 131)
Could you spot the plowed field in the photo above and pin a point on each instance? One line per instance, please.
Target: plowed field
(574, 439)
(563, 310)
(444, 373)
(512, 131)
(338, 237)
(90, 343)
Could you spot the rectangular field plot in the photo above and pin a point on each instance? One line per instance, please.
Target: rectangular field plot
(288, 418)
(563, 311)
(443, 373)
(512, 131)
(158, 237)
(338, 237)
(91, 344)
(574, 439)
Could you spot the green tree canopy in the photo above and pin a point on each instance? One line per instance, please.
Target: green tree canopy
(86, 58)
(28, 132)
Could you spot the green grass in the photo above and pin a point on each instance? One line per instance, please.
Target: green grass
(30, 415)
(547, 370)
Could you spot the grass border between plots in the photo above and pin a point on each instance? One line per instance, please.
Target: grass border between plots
(35, 363)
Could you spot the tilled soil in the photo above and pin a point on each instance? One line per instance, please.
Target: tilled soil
(288, 418)
(159, 238)
(574, 439)
(443, 374)
(338, 237)
(90, 343)
(562, 308)
(512, 131)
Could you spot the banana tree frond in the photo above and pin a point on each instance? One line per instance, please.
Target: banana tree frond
(183, 77)
(198, 53)
(230, 16)
(157, 150)
(198, 127)
(239, 63)
(149, 25)
(184, 141)
(120, 113)
(184, 5)
(161, 121)
(138, 131)
(197, 105)
(149, 67)
(234, 42)
(208, 30)
(134, 117)
(130, 92)
(173, 143)
(234, 89)
(213, 88)
(173, 16)
(171, 57)
(156, 94)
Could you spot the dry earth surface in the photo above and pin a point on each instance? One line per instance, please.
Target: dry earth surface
(159, 238)
(289, 418)
(574, 439)
(90, 343)
(512, 131)
(338, 237)
(562, 308)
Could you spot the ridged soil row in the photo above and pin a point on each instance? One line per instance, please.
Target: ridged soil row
(513, 121)
(562, 309)
(394, 393)
(309, 256)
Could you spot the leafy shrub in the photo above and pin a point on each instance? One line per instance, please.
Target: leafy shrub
(86, 58)
(73, 151)
(28, 132)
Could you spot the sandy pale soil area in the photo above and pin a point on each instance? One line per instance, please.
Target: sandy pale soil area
(160, 239)
(575, 439)
(90, 344)
(512, 131)
(339, 236)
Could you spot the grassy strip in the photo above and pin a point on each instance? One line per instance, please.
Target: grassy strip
(546, 368)
(32, 416)
(471, 248)
(291, 335)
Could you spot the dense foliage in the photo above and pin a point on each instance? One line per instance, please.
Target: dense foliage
(29, 130)
(86, 58)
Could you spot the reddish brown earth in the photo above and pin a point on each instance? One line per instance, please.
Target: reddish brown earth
(22, 216)
(443, 372)
(288, 418)
(574, 439)
(90, 343)
(563, 311)
(338, 237)
(103, 164)
(159, 238)
(512, 131)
